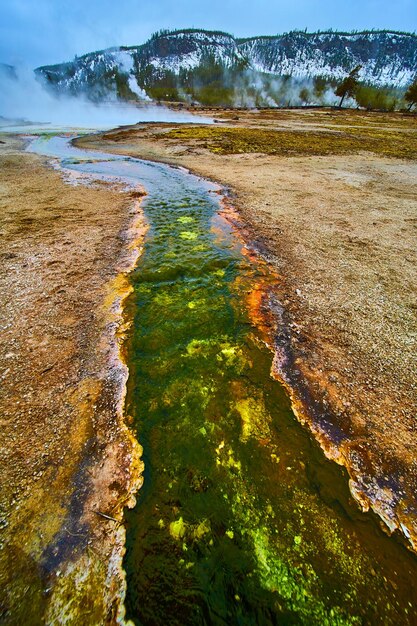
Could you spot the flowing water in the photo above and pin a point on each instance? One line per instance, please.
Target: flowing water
(241, 519)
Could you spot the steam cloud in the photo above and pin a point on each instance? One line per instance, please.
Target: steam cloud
(24, 101)
(252, 89)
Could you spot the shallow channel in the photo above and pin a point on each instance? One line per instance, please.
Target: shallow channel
(241, 519)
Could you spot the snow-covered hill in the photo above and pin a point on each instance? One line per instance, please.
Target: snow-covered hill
(386, 58)
(185, 63)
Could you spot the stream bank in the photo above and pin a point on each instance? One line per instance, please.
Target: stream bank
(65, 247)
(339, 232)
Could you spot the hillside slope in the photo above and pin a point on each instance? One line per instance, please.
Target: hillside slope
(201, 65)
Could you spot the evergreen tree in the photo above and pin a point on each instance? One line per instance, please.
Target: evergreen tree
(349, 85)
(411, 94)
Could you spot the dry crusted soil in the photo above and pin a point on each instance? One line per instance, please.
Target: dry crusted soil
(339, 227)
(64, 452)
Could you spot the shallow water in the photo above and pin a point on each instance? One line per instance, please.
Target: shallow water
(241, 519)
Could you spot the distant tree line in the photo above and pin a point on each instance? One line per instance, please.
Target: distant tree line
(164, 32)
(330, 31)
(212, 83)
(374, 98)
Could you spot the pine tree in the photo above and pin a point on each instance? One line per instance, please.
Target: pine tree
(411, 94)
(349, 85)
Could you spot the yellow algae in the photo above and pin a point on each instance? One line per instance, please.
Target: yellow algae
(163, 299)
(231, 462)
(238, 140)
(195, 347)
(186, 219)
(180, 529)
(154, 404)
(229, 352)
(328, 539)
(166, 399)
(193, 304)
(188, 234)
(199, 347)
(225, 458)
(181, 394)
(202, 529)
(255, 418)
(177, 529)
(220, 447)
(232, 356)
(230, 534)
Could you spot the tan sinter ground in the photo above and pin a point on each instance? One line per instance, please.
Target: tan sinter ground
(65, 453)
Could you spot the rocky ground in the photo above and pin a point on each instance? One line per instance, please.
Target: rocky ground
(66, 456)
(330, 199)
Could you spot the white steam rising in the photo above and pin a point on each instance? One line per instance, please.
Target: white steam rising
(253, 89)
(24, 100)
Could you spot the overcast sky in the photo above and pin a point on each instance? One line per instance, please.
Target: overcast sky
(36, 32)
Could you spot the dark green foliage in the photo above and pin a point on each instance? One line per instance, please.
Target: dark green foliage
(210, 83)
(411, 94)
(123, 90)
(349, 85)
(320, 84)
(165, 87)
(379, 99)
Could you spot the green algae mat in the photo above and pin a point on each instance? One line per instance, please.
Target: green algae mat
(241, 520)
